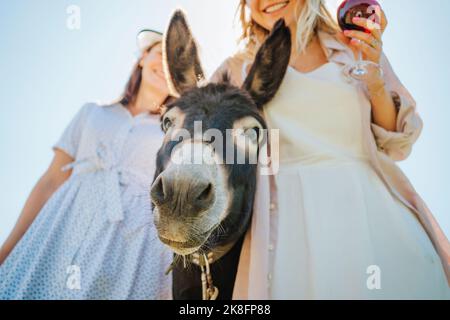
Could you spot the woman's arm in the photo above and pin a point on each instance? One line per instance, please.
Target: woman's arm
(384, 111)
(395, 123)
(52, 179)
(398, 143)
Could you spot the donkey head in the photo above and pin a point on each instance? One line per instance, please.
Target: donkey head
(203, 190)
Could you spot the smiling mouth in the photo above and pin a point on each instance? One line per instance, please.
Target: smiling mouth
(276, 7)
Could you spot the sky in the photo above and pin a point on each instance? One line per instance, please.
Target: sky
(50, 69)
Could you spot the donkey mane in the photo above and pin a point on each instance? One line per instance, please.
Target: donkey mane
(214, 96)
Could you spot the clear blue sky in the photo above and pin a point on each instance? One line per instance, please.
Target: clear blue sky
(48, 72)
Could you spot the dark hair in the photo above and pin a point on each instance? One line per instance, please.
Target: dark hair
(134, 83)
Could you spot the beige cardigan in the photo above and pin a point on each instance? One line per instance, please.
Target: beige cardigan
(384, 149)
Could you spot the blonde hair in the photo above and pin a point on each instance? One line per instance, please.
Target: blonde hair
(314, 16)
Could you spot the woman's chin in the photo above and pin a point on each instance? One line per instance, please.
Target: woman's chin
(156, 84)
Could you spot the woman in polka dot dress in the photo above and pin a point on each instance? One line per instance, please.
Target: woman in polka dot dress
(86, 231)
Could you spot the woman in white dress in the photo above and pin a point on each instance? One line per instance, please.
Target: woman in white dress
(86, 231)
(339, 220)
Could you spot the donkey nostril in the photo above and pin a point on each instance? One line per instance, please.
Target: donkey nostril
(157, 192)
(206, 193)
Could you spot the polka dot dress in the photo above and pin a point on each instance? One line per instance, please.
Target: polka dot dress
(95, 238)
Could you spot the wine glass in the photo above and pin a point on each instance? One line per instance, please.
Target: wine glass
(369, 9)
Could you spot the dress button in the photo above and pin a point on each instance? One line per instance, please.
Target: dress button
(269, 277)
(271, 247)
(272, 207)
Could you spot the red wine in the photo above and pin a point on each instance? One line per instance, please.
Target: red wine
(349, 9)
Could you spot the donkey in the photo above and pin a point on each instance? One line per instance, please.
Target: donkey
(205, 208)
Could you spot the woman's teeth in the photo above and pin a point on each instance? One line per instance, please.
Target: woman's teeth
(276, 7)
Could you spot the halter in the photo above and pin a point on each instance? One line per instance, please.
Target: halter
(204, 261)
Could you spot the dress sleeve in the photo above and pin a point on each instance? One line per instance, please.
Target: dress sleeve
(398, 145)
(70, 139)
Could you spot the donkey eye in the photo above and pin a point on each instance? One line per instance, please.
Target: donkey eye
(209, 140)
(166, 124)
(252, 134)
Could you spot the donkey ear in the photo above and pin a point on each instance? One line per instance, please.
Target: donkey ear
(270, 65)
(181, 61)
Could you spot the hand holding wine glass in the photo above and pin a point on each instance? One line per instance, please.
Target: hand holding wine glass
(363, 22)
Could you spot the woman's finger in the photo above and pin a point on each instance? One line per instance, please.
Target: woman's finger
(377, 34)
(374, 28)
(368, 38)
(367, 24)
(384, 21)
(369, 52)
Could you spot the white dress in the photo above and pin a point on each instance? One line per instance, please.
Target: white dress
(341, 233)
(95, 238)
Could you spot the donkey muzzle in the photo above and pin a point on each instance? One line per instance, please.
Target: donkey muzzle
(185, 190)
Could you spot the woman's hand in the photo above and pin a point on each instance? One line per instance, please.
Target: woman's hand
(370, 44)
